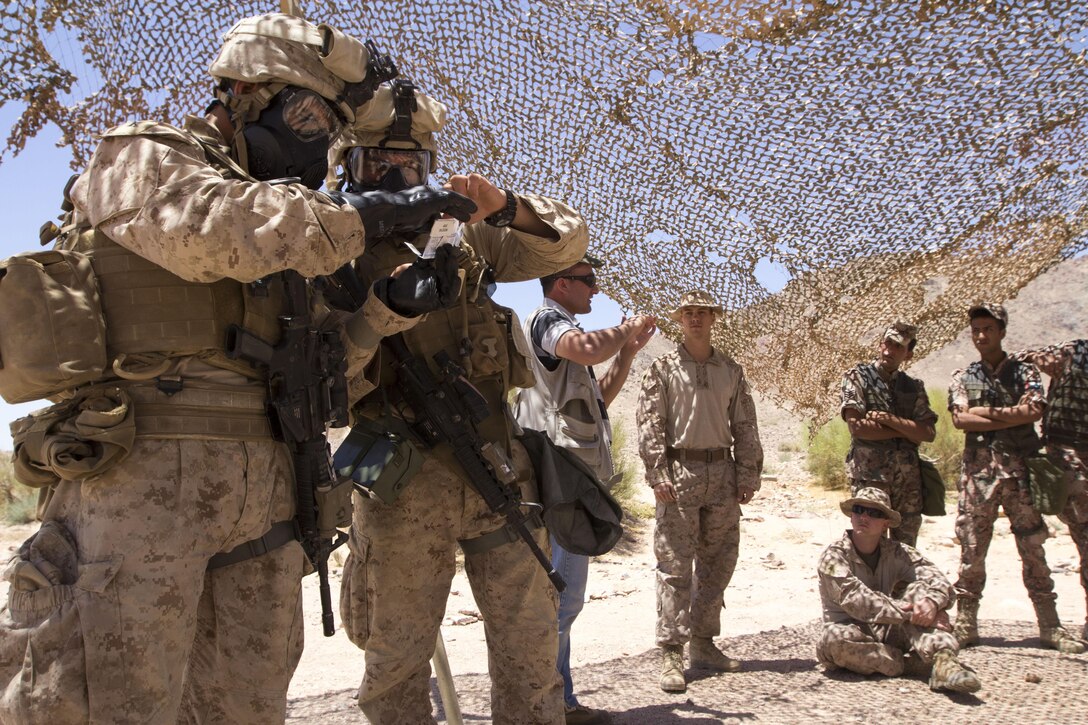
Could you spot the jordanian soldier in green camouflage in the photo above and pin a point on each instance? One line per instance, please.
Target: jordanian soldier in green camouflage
(888, 414)
(996, 402)
(1065, 432)
(882, 598)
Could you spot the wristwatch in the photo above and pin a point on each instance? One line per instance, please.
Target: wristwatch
(503, 217)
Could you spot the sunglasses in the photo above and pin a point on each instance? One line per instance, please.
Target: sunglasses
(589, 280)
(870, 512)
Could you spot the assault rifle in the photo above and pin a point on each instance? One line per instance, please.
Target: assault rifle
(307, 392)
(447, 410)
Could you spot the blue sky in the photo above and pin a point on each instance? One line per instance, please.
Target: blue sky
(31, 185)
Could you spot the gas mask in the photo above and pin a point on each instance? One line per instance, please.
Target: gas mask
(387, 169)
(291, 138)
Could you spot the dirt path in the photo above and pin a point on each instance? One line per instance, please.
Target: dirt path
(772, 607)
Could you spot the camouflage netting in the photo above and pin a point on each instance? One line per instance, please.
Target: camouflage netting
(894, 159)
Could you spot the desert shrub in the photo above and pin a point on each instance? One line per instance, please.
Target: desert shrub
(626, 489)
(947, 447)
(826, 459)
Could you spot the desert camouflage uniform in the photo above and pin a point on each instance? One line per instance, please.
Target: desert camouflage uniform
(1065, 432)
(129, 625)
(994, 475)
(692, 406)
(890, 465)
(863, 606)
(403, 555)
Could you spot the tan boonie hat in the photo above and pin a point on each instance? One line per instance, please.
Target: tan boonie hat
(696, 298)
(873, 498)
(284, 50)
(989, 309)
(901, 333)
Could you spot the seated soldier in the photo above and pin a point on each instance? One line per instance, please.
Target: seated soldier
(881, 598)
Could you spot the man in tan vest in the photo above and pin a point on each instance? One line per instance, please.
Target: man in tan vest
(570, 406)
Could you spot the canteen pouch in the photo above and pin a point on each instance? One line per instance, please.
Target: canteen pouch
(1047, 484)
(932, 487)
(52, 330)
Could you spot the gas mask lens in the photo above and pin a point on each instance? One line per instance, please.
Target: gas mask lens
(367, 165)
(309, 116)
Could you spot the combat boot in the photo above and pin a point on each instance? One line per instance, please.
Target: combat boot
(966, 628)
(951, 675)
(672, 668)
(705, 655)
(1052, 633)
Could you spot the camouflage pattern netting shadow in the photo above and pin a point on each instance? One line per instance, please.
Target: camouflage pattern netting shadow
(894, 159)
(781, 683)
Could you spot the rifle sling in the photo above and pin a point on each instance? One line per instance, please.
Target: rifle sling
(282, 532)
(498, 537)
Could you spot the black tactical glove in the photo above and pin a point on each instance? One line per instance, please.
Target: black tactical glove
(409, 211)
(426, 286)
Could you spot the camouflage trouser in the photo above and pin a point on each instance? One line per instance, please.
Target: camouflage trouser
(143, 633)
(1075, 514)
(702, 533)
(393, 596)
(990, 480)
(903, 484)
(886, 643)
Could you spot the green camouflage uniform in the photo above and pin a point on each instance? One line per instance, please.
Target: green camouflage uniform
(1065, 432)
(890, 465)
(995, 475)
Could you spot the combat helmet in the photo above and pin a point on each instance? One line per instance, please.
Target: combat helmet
(398, 117)
(279, 50)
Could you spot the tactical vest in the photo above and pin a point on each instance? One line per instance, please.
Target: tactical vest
(899, 399)
(1066, 419)
(152, 315)
(1005, 390)
(566, 404)
(478, 333)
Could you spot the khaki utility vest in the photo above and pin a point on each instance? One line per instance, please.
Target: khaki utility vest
(566, 405)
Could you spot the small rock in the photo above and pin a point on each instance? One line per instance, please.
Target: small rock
(1032, 677)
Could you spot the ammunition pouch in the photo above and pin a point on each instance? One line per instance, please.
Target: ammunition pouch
(74, 440)
(380, 459)
(1047, 484)
(52, 328)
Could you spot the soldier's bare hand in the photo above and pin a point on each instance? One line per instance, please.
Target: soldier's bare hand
(744, 495)
(645, 328)
(942, 621)
(923, 613)
(665, 492)
(488, 197)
